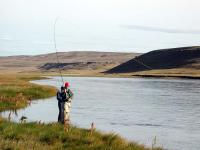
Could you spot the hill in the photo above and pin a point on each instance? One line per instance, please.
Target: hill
(68, 61)
(183, 57)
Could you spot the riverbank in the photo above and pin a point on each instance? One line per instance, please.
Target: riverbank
(47, 136)
(16, 92)
(185, 73)
(55, 136)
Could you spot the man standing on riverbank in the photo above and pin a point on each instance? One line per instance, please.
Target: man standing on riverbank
(67, 105)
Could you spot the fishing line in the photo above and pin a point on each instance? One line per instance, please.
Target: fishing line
(142, 63)
(55, 46)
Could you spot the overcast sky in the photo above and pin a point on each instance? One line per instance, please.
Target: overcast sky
(26, 26)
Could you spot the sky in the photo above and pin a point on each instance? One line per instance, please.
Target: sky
(27, 26)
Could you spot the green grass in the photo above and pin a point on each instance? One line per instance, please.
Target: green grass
(53, 136)
(16, 91)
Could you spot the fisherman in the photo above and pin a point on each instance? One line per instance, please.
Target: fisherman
(67, 105)
(64, 98)
(60, 97)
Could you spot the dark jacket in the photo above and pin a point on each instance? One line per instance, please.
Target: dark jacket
(64, 97)
(59, 96)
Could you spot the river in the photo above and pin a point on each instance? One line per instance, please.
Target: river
(138, 109)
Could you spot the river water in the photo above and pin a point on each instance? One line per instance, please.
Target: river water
(138, 109)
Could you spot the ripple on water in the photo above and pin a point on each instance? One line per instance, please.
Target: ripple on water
(137, 124)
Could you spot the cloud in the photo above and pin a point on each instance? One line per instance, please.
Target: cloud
(42, 43)
(5, 38)
(158, 29)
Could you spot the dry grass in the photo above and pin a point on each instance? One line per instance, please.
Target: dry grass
(175, 73)
(179, 72)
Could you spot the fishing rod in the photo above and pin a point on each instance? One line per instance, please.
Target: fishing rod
(55, 46)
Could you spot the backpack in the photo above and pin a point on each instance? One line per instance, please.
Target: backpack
(69, 92)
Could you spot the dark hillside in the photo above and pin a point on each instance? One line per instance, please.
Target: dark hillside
(161, 59)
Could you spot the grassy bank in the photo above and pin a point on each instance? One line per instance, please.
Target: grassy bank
(163, 73)
(187, 73)
(16, 91)
(54, 136)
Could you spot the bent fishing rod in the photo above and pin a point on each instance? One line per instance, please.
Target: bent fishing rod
(55, 47)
